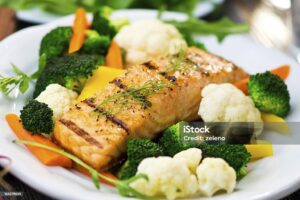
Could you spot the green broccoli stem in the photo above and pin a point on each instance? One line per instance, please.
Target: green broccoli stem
(123, 187)
(242, 173)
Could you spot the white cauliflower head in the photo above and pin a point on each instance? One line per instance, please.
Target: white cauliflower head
(191, 157)
(214, 174)
(148, 39)
(167, 177)
(226, 103)
(58, 98)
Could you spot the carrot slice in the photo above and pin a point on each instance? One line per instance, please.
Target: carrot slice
(47, 157)
(114, 56)
(87, 173)
(282, 71)
(79, 27)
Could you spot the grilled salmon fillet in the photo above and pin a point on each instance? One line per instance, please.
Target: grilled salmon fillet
(142, 102)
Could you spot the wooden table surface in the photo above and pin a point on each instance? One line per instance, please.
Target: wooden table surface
(8, 25)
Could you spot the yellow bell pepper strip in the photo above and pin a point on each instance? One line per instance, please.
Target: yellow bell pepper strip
(275, 123)
(259, 151)
(100, 79)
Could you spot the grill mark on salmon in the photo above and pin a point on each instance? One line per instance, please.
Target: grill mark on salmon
(150, 65)
(170, 78)
(80, 132)
(119, 83)
(113, 119)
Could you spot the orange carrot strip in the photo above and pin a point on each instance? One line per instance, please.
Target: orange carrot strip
(79, 27)
(87, 173)
(47, 157)
(282, 71)
(114, 56)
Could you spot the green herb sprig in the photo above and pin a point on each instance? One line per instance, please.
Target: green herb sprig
(179, 62)
(21, 80)
(220, 29)
(123, 187)
(132, 96)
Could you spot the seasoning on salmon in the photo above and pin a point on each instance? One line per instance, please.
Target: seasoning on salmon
(141, 103)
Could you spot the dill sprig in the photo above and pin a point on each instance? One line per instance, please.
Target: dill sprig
(178, 62)
(132, 96)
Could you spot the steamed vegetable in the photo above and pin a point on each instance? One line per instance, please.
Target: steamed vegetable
(103, 23)
(282, 71)
(269, 93)
(100, 79)
(258, 151)
(235, 155)
(149, 39)
(58, 98)
(137, 150)
(47, 157)
(37, 117)
(114, 56)
(79, 27)
(56, 42)
(275, 123)
(170, 178)
(70, 71)
(140, 148)
(215, 175)
(171, 141)
(229, 103)
(127, 170)
(95, 43)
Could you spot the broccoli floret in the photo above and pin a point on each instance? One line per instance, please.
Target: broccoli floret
(37, 117)
(171, 141)
(127, 170)
(140, 148)
(95, 44)
(137, 150)
(269, 93)
(235, 155)
(70, 70)
(104, 25)
(56, 42)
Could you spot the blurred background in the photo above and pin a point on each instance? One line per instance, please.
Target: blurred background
(273, 23)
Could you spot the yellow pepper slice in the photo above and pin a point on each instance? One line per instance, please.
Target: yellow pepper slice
(100, 79)
(258, 151)
(275, 123)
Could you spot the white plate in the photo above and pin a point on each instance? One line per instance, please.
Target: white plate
(270, 178)
(39, 16)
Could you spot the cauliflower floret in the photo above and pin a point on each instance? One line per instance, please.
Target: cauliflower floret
(226, 103)
(148, 39)
(58, 98)
(214, 174)
(190, 157)
(167, 177)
